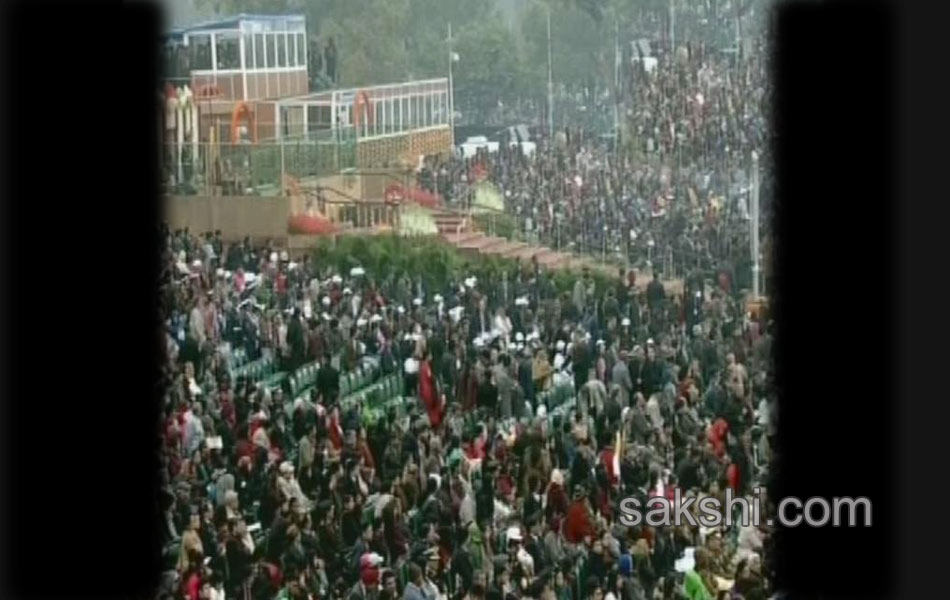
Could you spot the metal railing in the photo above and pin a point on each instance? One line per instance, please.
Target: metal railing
(246, 168)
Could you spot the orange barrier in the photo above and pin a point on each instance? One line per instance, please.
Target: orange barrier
(241, 110)
(396, 193)
(308, 225)
(363, 102)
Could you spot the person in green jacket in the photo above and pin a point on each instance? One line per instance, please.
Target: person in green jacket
(694, 584)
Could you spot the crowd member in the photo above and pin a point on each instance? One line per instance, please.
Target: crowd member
(675, 197)
(488, 487)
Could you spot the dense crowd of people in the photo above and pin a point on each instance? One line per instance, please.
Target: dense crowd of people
(486, 490)
(674, 192)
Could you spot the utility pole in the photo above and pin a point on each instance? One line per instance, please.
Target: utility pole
(672, 29)
(738, 54)
(451, 90)
(550, 82)
(754, 221)
(617, 87)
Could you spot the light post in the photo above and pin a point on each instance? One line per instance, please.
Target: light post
(672, 30)
(550, 81)
(547, 7)
(452, 58)
(754, 221)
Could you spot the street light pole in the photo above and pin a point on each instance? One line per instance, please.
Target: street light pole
(754, 221)
(451, 90)
(617, 83)
(672, 29)
(550, 82)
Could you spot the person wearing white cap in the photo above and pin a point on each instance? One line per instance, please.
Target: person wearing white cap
(290, 488)
(503, 325)
(196, 321)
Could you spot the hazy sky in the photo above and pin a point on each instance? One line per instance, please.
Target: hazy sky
(183, 12)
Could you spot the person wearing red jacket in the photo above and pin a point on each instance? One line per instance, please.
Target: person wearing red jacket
(334, 431)
(475, 450)
(557, 503)
(607, 458)
(429, 393)
(716, 436)
(733, 476)
(578, 526)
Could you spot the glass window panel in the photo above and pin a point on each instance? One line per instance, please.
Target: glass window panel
(301, 50)
(248, 51)
(228, 46)
(281, 50)
(271, 50)
(291, 51)
(200, 50)
(259, 59)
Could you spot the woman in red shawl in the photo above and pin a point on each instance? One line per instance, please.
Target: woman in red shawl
(334, 431)
(578, 524)
(428, 391)
(475, 450)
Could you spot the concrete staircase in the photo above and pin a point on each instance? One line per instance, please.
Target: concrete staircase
(450, 222)
(474, 242)
(460, 232)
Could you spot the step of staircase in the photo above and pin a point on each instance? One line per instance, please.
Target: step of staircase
(480, 242)
(473, 242)
(554, 260)
(457, 239)
(506, 249)
(528, 252)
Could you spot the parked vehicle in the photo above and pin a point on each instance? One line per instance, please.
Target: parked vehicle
(472, 145)
(515, 136)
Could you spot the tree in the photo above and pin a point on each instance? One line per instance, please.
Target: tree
(490, 68)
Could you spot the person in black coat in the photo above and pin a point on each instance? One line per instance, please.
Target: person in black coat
(525, 379)
(655, 293)
(328, 381)
(652, 374)
(329, 60)
(462, 560)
